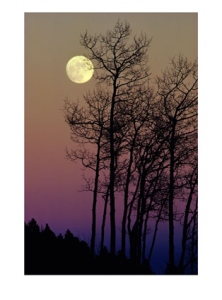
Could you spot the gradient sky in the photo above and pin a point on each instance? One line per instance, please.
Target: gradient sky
(52, 183)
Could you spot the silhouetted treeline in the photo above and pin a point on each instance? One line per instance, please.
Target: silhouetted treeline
(139, 140)
(46, 253)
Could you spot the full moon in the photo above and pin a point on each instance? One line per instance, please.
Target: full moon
(79, 69)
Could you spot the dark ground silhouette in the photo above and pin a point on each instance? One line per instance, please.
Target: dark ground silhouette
(48, 254)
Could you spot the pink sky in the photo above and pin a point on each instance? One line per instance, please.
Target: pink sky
(52, 183)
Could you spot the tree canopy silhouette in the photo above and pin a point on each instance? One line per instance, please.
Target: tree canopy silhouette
(140, 140)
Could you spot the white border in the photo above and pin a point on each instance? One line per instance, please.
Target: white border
(14, 284)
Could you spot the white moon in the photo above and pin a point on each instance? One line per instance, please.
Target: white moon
(79, 69)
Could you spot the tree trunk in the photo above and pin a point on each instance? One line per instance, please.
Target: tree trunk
(132, 239)
(104, 220)
(185, 227)
(171, 198)
(145, 222)
(95, 199)
(123, 246)
(140, 214)
(193, 243)
(112, 176)
(155, 233)
(144, 236)
(145, 227)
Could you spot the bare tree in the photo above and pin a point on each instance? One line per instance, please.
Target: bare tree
(121, 63)
(134, 114)
(87, 125)
(144, 144)
(189, 214)
(177, 88)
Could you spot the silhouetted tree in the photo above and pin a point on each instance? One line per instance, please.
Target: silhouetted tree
(150, 157)
(191, 185)
(87, 125)
(194, 240)
(106, 198)
(48, 234)
(177, 88)
(134, 112)
(156, 206)
(145, 144)
(123, 65)
(33, 228)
